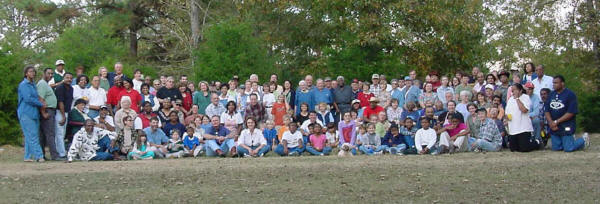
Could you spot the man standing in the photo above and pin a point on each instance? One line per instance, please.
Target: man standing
(321, 95)
(542, 81)
(561, 108)
(64, 97)
(375, 88)
(58, 75)
(48, 123)
(343, 97)
(97, 97)
(169, 92)
(255, 110)
(118, 72)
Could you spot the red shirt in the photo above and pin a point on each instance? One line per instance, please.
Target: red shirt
(146, 120)
(371, 111)
(113, 94)
(187, 101)
(364, 98)
(278, 112)
(135, 98)
(435, 85)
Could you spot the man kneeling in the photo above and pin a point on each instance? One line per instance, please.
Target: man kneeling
(85, 144)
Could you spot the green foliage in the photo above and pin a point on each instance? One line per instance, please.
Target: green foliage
(231, 49)
(11, 65)
(589, 110)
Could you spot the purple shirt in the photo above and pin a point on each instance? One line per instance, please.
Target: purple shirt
(347, 131)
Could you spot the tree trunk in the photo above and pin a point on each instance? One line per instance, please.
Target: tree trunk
(133, 43)
(195, 22)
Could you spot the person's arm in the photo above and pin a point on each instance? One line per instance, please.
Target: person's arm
(284, 144)
(300, 143)
(522, 107)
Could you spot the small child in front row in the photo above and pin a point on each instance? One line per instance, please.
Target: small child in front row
(408, 131)
(175, 146)
(426, 139)
(140, 149)
(317, 142)
(270, 134)
(393, 142)
(369, 141)
(332, 135)
(193, 143)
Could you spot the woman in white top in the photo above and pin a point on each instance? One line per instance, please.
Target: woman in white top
(137, 80)
(520, 127)
(251, 142)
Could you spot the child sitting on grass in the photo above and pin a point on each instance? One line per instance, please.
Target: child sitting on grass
(426, 139)
(192, 142)
(140, 150)
(270, 134)
(408, 131)
(317, 144)
(332, 136)
(393, 142)
(369, 141)
(175, 145)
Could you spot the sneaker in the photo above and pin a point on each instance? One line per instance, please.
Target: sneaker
(41, 160)
(586, 138)
(476, 150)
(400, 154)
(247, 155)
(321, 154)
(28, 160)
(435, 153)
(444, 149)
(378, 153)
(294, 153)
(261, 155)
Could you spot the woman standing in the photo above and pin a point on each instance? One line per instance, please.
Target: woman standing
(530, 74)
(103, 73)
(427, 95)
(29, 116)
(520, 127)
(288, 92)
(444, 87)
(202, 97)
(187, 100)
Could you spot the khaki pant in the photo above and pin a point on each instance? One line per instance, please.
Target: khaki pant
(460, 142)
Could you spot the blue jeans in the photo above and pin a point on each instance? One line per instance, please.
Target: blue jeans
(104, 145)
(568, 143)
(326, 150)
(537, 128)
(392, 150)
(241, 151)
(102, 156)
(31, 131)
(486, 145)
(410, 141)
(366, 150)
(59, 136)
(93, 113)
(279, 150)
(212, 148)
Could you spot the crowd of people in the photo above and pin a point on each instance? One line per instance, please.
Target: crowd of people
(111, 116)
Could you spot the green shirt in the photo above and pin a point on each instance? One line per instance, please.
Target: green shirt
(104, 84)
(202, 101)
(46, 93)
(461, 88)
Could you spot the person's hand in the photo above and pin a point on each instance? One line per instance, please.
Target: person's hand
(62, 122)
(300, 145)
(112, 144)
(319, 149)
(45, 115)
(286, 151)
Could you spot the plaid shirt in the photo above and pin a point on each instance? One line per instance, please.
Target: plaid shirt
(257, 111)
(489, 132)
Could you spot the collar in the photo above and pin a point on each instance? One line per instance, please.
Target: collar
(61, 74)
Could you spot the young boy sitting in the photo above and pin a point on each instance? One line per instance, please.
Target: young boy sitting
(426, 139)
(270, 134)
(193, 143)
(393, 142)
(291, 142)
(408, 131)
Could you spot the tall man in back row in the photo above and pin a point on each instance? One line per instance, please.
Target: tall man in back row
(561, 108)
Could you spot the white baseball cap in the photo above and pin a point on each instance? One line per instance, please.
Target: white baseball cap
(59, 62)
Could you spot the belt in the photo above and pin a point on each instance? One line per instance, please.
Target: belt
(269, 107)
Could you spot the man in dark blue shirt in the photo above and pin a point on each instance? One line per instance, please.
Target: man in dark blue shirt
(561, 108)
(220, 139)
(64, 96)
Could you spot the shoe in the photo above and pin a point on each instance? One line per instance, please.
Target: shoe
(444, 149)
(41, 160)
(294, 153)
(435, 153)
(247, 155)
(476, 150)
(28, 160)
(135, 157)
(59, 159)
(378, 153)
(452, 149)
(321, 154)
(586, 138)
(261, 155)
(399, 153)
(219, 152)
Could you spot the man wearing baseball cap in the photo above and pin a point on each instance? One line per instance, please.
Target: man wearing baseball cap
(535, 111)
(59, 73)
(375, 88)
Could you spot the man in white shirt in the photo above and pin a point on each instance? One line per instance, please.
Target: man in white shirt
(291, 142)
(542, 81)
(214, 108)
(425, 139)
(97, 97)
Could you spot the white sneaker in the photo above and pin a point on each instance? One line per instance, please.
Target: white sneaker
(476, 150)
(321, 154)
(247, 155)
(261, 155)
(400, 153)
(378, 153)
(294, 153)
(586, 138)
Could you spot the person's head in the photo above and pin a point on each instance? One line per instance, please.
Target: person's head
(354, 86)
(371, 128)
(118, 82)
(80, 104)
(103, 111)
(382, 116)
(471, 107)
(231, 107)
(347, 117)
(455, 81)
(481, 98)
(141, 139)
(504, 77)
(214, 99)
(394, 103)
(118, 68)
(287, 85)
(362, 129)
(317, 129)
(253, 78)
(529, 67)
(309, 80)
(410, 106)
(331, 128)
(60, 65)
(250, 123)
(270, 124)
(302, 85)
(394, 129)
(354, 115)
(464, 96)
(428, 87)
(544, 93)
(175, 134)
(373, 102)
(365, 87)
(323, 107)
(206, 120)
(408, 123)
(481, 114)
(267, 88)
(312, 116)
(293, 127)
(166, 104)
(558, 83)
(29, 72)
(304, 107)
(137, 74)
(203, 86)
(539, 70)
(490, 78)
(148, 79)
(424, 123)
(127, 84)
(191, 87)
(183, 79)
(355, 104)
(529, 87)
(182, 87)
(273, 78)
(95, 81)
(286, 119)
(320, 84)
(190, 130)
(517, 90)
(480, 77)
(464, 80)
(438, 105)
(89, 125)
(154, 123)
(272, 87)
(444, 81)
(254, 86)
(253, 99)
(497, 100)
(475, 71)
(340, 81)
(449, 95)
(215, 120)
(412, 74)
(173, 117)
(451, 106)
(375, 79)
(281, 98)
(489, 90)
(516, 79)
(408, 82)
(128, 121)
(145, 89)
(67, 78)
(455, 119)
(494, 112)
(48, 74)
(125, 102)
(170, 82)
(147, 107)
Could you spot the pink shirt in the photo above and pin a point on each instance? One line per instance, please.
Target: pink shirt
(455, 131)
(318, 141)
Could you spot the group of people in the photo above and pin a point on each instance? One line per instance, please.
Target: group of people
(111, 116)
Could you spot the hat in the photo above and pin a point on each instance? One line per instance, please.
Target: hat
(373, 99)
(489, 86)
(529, 85)
(355, 101)
(504, 73)
(340, 78)
(407, 78)
(327, 78)
(59, 62)
(103, 107)
(375, 76)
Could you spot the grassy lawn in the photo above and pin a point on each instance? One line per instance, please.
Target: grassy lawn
(540, 177)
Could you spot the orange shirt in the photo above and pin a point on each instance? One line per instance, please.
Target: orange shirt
(279, 110)
(281, 131)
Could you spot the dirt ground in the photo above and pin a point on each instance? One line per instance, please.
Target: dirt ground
(541, 176)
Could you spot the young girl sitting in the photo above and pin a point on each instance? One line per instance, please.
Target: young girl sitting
(369, 141)
(175, 146)
(140, 149)
(317, 144)
(193, 143)
(332, 135)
